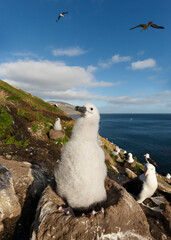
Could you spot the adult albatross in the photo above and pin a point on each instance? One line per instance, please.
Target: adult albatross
(145, 26)
(61, 15)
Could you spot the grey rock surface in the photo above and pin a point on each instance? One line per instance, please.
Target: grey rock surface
(122, 218)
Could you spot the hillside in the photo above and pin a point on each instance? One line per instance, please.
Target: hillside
(25, 123)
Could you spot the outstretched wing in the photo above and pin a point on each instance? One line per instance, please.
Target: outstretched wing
(155, 26)
(64, 13)
(140, 25)
(58, 18)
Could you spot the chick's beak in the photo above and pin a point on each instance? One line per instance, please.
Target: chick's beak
(146, 172)
(80, 109)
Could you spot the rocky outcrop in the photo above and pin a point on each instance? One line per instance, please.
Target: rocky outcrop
(21, 185)
(130, 173)
(159, 218)
(122, 218)
(56, 134)
(10, 208)
(163, 185)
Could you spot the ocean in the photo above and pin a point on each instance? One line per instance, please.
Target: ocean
(141, 134)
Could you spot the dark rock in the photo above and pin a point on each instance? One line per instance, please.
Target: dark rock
(10, 208)
(122, 218)
(159, 221)
(26, 181)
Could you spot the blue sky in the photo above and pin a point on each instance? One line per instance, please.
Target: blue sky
(90, 55)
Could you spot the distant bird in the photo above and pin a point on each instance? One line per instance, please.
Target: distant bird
(145, 26)
(145, 185)
(61, 15)
(168, 176)
(55, 105)
(57, 125)
(129, 157)
(148, 159)
(116, 151)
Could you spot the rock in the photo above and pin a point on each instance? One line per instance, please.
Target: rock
(110, 146)
(118, 158)
(55, 134)
(115, 169)
(130, 165)
(108, 158)
(123, 218)
(159, 221)
(9, 157)
(163, 185)
(27, 181)
(130, 173)
(10, 208)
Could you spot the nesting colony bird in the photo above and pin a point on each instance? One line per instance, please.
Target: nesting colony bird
(61, 15)
(57, 125)
(145, 26)
(116, 151)
(129, 158)
(81, 173)
(148, 159)
(168, 176)
(145, 185)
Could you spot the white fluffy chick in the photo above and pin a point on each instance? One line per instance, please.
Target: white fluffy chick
(57, 125)
(81, 173)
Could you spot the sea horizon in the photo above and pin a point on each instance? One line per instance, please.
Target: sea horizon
(133, 113)
(140, 133)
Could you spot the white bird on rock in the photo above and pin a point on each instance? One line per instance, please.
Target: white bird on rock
(129, 158)
(168, 176)
(116, 151)
(145, 185)
(81, 173)
(57, 125)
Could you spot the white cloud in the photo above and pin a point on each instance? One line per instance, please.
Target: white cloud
(139, 65)
(115, 59)
(71, 51)
(140, 104)
(91, 68)
(56, 80)
(42, 75)
(68, 95)
(24, 54)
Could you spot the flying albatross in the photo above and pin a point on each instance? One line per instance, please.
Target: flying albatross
(61, 15)
(145, 26)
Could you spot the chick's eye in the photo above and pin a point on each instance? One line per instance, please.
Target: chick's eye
(91, 109)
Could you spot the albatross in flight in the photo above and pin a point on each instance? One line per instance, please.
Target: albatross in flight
(145, 26)
(61, 15)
